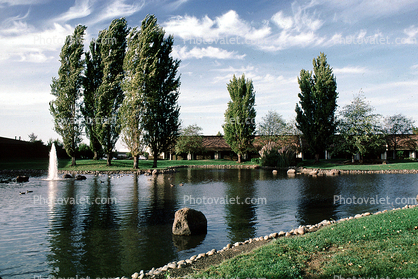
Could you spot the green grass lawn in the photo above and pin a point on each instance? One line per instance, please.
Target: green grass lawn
(24, 164)
(346, 165)
(383, 245)
(100, 165)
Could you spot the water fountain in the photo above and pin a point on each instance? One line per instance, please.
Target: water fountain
(53, 164)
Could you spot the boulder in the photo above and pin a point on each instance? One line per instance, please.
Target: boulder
(22, 178)
(188, 221)
(291, 172)
(80, 177)
(67, 175)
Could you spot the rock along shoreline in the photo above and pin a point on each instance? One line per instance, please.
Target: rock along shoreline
(290, 171)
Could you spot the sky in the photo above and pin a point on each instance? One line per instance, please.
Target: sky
(371, 45)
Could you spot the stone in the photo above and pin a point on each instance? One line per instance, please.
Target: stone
(135, 275)
(155, 172)
(229, 246)
(22, 178)
(189, 261)
(80, 177)
(266, 237)
(67, 175)
(171, 266)
(313, 173)
(273, 235)
(211, 252)
(192, 258)
(202, 255)
(188, 221)
(288, 234)
(300, 231)
(291, 172)
(274, 171)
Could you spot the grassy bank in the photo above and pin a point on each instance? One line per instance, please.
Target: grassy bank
(383, 245)
(344, 165)
(100, 165)
(125, 165)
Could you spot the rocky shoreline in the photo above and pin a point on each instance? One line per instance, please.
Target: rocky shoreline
(290, 171)
(200, 262)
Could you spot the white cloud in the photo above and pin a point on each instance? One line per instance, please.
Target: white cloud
(226, 25)
(210, 52)
(359, 10)
(411, 32)
(282, 21)
(350, 70)
(80, 9)
(296, 30)
(176, 4)
(22, 2)
(30, 44)
(231, 69)
(118, 9)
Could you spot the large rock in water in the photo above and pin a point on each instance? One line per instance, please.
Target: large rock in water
(188, 221)
(22, 178)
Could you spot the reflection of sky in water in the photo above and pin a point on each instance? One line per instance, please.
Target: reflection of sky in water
(59, 230)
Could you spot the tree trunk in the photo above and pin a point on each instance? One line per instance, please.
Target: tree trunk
(73, 164)
(154, 164)
(136, 158)
(95, 156)
(109, 159)
(317, 158)
(239, 158)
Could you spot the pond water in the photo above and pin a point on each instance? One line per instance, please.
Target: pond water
(109, 226)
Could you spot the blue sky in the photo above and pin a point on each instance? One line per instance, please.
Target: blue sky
(371, 45)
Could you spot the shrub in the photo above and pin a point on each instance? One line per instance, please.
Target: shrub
(273, 156)
(255, 161)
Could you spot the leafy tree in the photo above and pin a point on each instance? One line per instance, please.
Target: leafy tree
(360, 129)
(272, 124)
(318, 102)
(32, 137)
(190, 141)
(273, 128)
(239, 127)
(109, 94)
(398, 128)
(159, 89)
(85, 152)
(91, 83)
(137, 72)
(67, 90)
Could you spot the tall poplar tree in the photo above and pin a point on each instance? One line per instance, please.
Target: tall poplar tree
(110, 95)
(239, 127)
(158, 88)
(316, 109)
(67, 89)
(137, 72)
(92, 80)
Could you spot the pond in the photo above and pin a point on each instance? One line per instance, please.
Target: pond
(109, 226)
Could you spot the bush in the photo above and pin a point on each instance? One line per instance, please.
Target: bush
(255, 161)
(273, 156)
